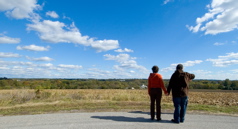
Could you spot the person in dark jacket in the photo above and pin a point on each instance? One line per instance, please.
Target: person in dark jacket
(179, 84)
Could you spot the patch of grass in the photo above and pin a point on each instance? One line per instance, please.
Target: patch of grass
(213, 108)
(75, 106)
(19, 102)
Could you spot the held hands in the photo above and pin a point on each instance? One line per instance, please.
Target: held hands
(166, 94)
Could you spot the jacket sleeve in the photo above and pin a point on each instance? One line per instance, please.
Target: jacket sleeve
(190, 76)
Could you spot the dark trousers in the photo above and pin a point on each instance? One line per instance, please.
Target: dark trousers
(180, 105)
(155, 97)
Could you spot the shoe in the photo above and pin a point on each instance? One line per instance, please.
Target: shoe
(159, 119)
(175, 121)
(152, 118)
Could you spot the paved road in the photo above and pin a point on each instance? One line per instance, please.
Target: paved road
(115, 120)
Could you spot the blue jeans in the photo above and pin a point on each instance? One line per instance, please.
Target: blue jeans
(180, 105)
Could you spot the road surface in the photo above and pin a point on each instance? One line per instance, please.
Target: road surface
(115, 120)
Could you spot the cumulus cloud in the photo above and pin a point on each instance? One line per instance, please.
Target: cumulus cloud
(17, 63)
(99, 73)
(30, 69)
(9, 40)
(58, 32)
(70, 66)
(52, 14)
(186, 64)
(223, 61)
(222, 16)
(9, 55)
(4, 68)
(40, 59)
(33, 48)
(118, 58)
(125, 50)
(52, 31)
(126, 62)
(19, 9)
(104, 45)
(203, 72)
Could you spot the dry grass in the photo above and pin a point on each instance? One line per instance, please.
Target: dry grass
(13, 102)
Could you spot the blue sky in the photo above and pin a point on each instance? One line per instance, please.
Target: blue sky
(118, 38)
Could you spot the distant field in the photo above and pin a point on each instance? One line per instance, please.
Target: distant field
(15, 102)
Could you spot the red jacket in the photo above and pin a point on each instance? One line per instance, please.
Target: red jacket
(155, 81)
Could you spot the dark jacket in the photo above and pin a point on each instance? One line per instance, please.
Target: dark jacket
(179, 83)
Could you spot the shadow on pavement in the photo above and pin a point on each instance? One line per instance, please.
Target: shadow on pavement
(147, 113)
(129, 119)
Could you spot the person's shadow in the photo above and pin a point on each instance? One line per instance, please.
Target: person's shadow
(130, 119)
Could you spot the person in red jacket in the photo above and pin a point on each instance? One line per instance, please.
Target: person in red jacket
(155, 86)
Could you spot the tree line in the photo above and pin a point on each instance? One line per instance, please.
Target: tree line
(106, 84)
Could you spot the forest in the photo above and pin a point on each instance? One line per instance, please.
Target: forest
(6, 83)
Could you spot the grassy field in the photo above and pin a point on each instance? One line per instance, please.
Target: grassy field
(20, 102)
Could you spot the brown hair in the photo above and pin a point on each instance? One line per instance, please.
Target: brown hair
(155, 69)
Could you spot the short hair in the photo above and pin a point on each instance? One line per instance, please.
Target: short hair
(155, 69)
(179, 67)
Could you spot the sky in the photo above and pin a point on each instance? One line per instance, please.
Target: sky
(121, 39)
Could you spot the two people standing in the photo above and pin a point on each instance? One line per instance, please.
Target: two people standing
(178, 84)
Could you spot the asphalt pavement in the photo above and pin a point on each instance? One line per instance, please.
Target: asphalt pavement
(116, 120)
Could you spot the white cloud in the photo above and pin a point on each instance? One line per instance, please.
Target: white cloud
(15, 63)
(235, 70)
(203, 72)
(9, 40)
(4, 68)
(40, 59)
(9, 55)
(58, 32)
(125, 50)
(166, 1)
(229, 55)
(52, 14)
(28, 69)
(33, 48)
(218, 44)
(132, 71)
(99, 73)
(52, 31)
(104, 45)
(70, 66)
(19, 9)
(191, 63)
(186, 64)
(233, 42)
(48, 65)
(223, 61)
(222, 16)
(126, 62)
(119, 58)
